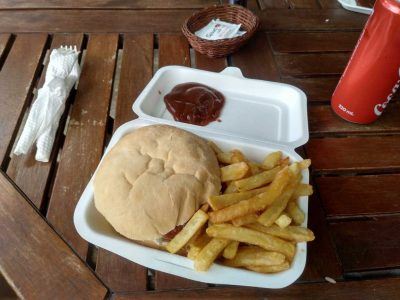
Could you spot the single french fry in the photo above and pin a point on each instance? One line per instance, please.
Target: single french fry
(243, 220)
(257, 180)
(269, 216)
(205, 207)
(255, 168)
(234, 171)
(231, 157)
(294, 211)
(199, 243)
(209, 253)
(231, 188)
(215, 148)
(283, 221)
(272, 160)
(270, 269)
(252, 237)
(230, 250)
(251, 256)
(302, 190)
(304, 164)
(284, 162)
(221, 201)
(188, 231)
(291, 233)
(254, 204)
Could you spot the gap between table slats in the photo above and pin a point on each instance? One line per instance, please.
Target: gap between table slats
(31, 176)
(17, 79)
(84, 141)
(136, 71)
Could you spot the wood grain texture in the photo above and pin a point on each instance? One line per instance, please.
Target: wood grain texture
(137, 66)
(369, 244)
(84, 142)
(319, 266)
(203, 62)
(256, 59)
(4, 40)
(30, 175)
(173, 50)
(37, 263)
(290, 42)
(16, 83)
(354, 154)
(323, 121)
(346, 196)
(312, 64)
(104, 4)
(303, 4)
(136, 72)
(162, 21)
(366, 289)
(329, 4)
(317, 89)
(267, 4)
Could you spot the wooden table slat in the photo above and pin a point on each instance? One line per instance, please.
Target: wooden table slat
(304, 4)
(369, 244)
(329, 4)
(267, 4)
(289, 42)
(137, 66)
(85, 138)
(105, 4)
(30, 175)
(140, 21)
(323, 121)
(360, 195)
(366, 289)
(317, 89)
(17, 78)
(210, 64)
(312, 64)
(4, 40)
(256, 59)
(355, 154)
(36, 261)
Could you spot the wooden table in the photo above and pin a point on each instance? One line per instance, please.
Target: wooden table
(354, 212)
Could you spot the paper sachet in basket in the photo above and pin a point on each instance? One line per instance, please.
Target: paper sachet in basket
(41, 126)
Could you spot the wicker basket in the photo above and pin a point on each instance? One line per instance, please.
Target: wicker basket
(230, 13)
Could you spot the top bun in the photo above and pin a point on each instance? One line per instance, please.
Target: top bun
(154, 179)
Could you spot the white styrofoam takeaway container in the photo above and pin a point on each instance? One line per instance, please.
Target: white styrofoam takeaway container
(258, 117)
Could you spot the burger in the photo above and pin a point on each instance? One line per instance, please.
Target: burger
(153, 180)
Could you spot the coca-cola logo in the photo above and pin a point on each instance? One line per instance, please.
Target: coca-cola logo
(378, 109)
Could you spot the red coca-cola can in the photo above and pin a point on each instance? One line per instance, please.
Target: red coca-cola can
(372, 75)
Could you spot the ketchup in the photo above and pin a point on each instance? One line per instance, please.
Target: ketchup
(194, 103)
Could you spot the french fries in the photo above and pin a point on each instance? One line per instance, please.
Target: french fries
(257, 180)
(209, 253)
(234, 171)
(243, 220)
(187, 232)
(295, 212)
(252, 237)
(231, 157)
(254, 204)
(291, 233)
(270, 269)
(283, 221)
(303, 190)
(230, 250)
(254, 256)
(221, 201)
(269, 216)
(252, 225)
(272, 160)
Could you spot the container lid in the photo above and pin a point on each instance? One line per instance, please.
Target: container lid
(254, 109)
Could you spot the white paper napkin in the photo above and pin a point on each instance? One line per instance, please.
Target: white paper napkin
(42, 123)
